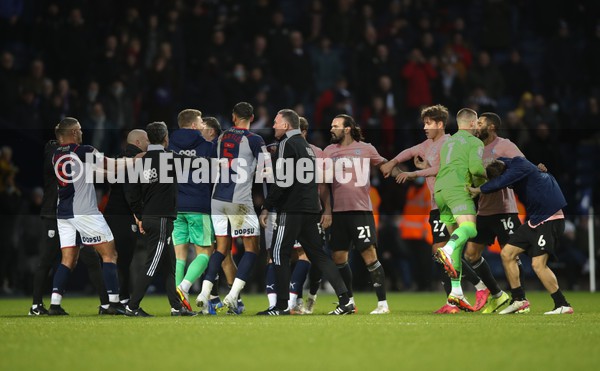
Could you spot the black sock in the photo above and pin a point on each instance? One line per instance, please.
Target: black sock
(446, 283)
(314, 279)
(518, 293)
(469, 274)
(344, 299)
(484, 272)
(378, 279)
(346, 273)
(521, 271)
(559, 299)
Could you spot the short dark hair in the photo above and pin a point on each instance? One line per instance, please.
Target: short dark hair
(243, 110)
(465, 114)
(64, 126)
(187, 117)
(214, 124)
(157, 131)
(303, 124)
(291, 117)
(495, 169)
(349, 122)
(492, 118)
(436, 113)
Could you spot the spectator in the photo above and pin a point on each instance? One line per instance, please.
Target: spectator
(487, 76)
(516, 76)
(9, 85)
(327, 66)
(418, 73)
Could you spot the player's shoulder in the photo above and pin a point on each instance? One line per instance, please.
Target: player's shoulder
(331, 148)
(472, 139)
(84, 148)
(505, 142)
(254, 137)
(317, 151)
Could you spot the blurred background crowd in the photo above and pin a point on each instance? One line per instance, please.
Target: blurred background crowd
(118, 65)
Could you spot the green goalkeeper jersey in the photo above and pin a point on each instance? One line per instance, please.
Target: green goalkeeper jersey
(460, 162)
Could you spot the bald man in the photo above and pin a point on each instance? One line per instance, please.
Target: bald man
(120, 217)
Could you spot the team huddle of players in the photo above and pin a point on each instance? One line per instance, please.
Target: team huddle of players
(474, 162)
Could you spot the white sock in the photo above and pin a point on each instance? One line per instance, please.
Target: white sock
(185, 286)
(237, 287)
(105, 306)
(480, 286)
(457, 291)
(272, 300)
(125, 301)
(113, 298)
(293, 300)
(382, 303)
(55, 299)
(351, 301)
(206, 288)
(498, 295)
(34, 306)
(448, 249)
(313, 297)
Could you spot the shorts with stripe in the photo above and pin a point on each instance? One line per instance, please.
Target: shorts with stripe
(158, 242)
(271, 223)
(291, 229)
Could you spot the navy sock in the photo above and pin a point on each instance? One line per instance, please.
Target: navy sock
(270, 279)
(246, 265)
(214, 266)
(60, 279)
(299, 276)
(111, 278)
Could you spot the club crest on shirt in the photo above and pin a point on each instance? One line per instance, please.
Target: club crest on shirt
(51, 233)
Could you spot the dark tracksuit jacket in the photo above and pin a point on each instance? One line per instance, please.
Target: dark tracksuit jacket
(298, 215)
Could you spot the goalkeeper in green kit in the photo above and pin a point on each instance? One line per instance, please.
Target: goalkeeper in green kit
(460, 166)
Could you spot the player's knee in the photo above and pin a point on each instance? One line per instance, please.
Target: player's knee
(472, 256)
(507, 254)
(538, 265)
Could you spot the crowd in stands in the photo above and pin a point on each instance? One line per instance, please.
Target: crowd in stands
(118, 65)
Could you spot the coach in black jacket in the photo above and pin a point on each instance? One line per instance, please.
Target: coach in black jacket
(154, 203)
(298, 217)
(119, 216)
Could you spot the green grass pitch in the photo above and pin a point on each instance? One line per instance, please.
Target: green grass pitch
(411, 338)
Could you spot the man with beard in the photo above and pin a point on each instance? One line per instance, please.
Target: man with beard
(353, 223)
(497, 214)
